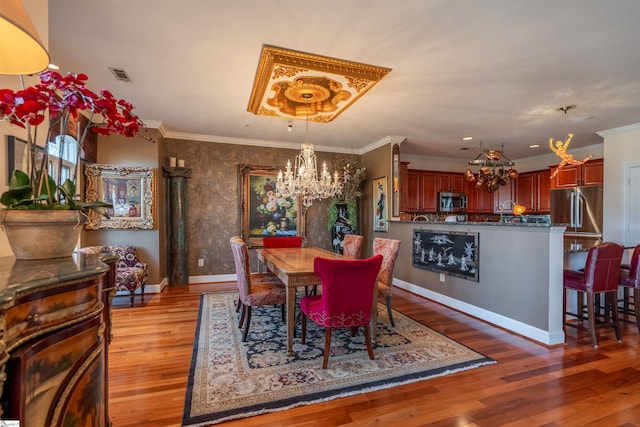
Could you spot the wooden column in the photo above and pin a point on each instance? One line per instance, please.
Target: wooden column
(177, 218)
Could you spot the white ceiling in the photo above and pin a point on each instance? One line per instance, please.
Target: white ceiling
(494, 69)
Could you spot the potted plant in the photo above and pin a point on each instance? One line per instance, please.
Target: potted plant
(343, 210)
(36, 197)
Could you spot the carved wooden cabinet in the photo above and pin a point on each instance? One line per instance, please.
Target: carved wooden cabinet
(54, 332)
(590, 173)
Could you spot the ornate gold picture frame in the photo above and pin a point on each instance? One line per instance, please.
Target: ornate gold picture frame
(263, 214)
(131, 191)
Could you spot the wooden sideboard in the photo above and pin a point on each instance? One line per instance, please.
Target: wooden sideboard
(55, 326)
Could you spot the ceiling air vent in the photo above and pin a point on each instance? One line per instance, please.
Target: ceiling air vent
(120, 74)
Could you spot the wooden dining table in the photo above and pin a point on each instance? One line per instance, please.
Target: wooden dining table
(294, 266)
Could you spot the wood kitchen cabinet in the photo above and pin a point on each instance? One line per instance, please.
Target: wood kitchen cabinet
(478, 199)
(532, 191)
(590, 173)
(55, 332)
(450, 182)
(421, 193)
(503, 194)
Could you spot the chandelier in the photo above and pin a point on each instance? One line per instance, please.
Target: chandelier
(302, 181)
(494, 169)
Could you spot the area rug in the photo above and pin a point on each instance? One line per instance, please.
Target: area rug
(229, 379)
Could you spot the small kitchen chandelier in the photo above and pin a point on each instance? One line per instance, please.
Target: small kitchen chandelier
(302, 181)
(494, 169)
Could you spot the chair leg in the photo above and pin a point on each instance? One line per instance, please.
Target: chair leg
(238, 305)
(246, 325)
(142, 293)
(327, 347)
(636, 308)
(611, 299)
(389, 311)
(367, 340)
(133, 294)
(243, 314)
(304, 327)
(592, 319)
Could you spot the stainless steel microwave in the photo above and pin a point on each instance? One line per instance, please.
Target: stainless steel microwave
(452, 202)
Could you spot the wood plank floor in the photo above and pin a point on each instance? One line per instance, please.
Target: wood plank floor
(531, 385)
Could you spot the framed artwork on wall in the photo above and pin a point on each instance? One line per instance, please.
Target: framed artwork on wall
(262, 213)
(449, 252)
(380, 208)
(17, 155)
(131, 191)
(395, 179)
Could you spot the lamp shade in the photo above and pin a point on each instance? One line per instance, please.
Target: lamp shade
(21, 51)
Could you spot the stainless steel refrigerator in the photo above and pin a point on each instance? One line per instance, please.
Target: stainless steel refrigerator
(580, 208)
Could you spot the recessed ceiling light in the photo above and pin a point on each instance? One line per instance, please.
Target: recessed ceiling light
(467, 138)
(534, 146)
(53, 67)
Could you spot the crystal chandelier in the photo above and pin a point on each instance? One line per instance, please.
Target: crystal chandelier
(302, 181)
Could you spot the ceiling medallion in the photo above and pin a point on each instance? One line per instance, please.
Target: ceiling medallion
(297, 85)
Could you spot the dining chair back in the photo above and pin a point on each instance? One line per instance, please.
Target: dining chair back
(599, 277)
(630, 280)
(282, 242)
(388, 248)
(254, 289)
(352, 245)
(347, 295)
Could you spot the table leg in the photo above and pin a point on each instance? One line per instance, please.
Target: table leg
(291, 317)
(373, 322)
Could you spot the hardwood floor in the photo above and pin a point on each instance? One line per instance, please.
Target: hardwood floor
(573, 385)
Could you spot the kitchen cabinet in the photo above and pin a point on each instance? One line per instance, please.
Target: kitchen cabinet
(450, 182)
(502, 195)
(590, 173)
(478, 199)
(532, 191)
(56, 327)
(421, 193)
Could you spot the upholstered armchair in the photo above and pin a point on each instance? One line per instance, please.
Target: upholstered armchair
(131, 273)
(347, 294)
(388, 248)
(352, 245)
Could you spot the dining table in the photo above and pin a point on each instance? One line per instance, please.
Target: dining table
(294, 266)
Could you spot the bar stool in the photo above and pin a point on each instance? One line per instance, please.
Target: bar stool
(600, 277)
(630, 279)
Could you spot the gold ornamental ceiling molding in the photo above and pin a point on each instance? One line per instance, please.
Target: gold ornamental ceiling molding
(297, 85)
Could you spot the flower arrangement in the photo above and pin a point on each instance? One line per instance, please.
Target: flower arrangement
(61, 98)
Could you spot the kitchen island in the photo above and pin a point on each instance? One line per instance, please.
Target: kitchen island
(519, 275)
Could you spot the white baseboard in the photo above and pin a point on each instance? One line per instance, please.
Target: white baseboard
(507, 323)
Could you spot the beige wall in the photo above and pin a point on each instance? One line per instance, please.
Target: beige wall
(621, 150)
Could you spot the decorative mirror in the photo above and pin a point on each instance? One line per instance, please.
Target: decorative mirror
(131, 191)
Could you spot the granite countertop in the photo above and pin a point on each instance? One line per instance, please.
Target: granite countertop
(17, 276)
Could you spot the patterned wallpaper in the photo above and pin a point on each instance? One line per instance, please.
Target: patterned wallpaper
(214, 194)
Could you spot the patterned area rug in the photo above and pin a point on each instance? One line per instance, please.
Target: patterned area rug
(230, 379)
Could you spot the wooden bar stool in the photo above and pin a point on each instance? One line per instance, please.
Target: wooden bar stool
(600, 277)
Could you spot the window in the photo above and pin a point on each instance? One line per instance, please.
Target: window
(63, 157)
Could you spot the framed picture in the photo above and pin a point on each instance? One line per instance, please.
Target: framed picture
(131, 191)
(380, 208)
(448, 252)
(395, 178)
(263, 214)
(17, 156)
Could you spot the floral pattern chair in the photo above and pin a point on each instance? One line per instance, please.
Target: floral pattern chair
(255, 289)
(131, 273)
(347, 293)
(388, 248)
(352, 245)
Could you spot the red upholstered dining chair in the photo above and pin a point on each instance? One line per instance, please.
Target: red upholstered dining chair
(388, 248)
(352, 245)
(630, 279)
(282, 242)
(347, 294)
(599, 277)
(254, 289)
